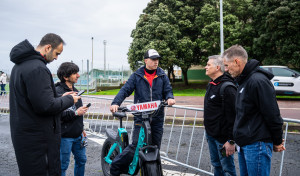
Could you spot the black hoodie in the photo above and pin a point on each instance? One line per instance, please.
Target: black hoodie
(35, 112)
(71, 124)
(257, 113)
(219, 122)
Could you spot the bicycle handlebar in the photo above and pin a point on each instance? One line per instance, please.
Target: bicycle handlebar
(134, 112)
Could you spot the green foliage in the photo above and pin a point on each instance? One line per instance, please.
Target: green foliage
(186, 32)
(157, 30)
(278, 39)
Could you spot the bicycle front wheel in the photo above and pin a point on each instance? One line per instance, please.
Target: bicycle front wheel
(105, 149)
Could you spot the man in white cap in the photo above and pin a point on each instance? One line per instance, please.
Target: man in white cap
(149, 83)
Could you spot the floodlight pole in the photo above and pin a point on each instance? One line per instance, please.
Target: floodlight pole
(104, 43)
(221, 27)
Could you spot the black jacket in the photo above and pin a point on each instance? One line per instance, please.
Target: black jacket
(219, 121)
(35, 112)
(257, 113)
(72, 125)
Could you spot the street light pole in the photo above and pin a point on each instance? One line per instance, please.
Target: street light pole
(92, 53)
(221, 27)
(104, 43)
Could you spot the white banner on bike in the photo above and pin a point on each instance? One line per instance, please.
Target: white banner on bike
(147, 106)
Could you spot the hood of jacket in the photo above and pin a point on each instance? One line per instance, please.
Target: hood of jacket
(251, 67)
(23, 52)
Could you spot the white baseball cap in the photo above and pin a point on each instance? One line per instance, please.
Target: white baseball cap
(152, 54)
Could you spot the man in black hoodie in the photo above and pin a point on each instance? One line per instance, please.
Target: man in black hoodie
(219, 116)
(258, 125)
(72, 121)
(35, 107)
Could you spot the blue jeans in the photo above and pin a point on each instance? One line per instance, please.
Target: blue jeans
(2, 89)
(255, 159)
(66, 146)
(222, 165)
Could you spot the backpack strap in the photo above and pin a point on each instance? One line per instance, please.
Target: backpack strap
(222, 90)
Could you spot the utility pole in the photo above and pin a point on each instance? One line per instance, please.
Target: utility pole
(92, 53)
(221, 27)
(81, 73)
(104, 43)
(88, 75)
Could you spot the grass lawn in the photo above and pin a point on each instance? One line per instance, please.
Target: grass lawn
(185, 92)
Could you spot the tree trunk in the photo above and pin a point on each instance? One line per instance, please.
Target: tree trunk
(184, 72)
(169, 73)
(173, 76)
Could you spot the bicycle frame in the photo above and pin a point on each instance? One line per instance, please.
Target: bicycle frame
(122, 143)
(144, 140)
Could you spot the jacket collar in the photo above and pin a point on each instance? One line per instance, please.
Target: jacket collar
(64, 86)
(141, 71)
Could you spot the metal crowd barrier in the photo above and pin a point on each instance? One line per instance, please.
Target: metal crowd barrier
(190, 152)
(183, 140)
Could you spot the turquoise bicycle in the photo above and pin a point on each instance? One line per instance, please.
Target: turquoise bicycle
(146, 155)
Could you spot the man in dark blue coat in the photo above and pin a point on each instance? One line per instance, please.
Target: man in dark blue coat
(149, 83)
(257, 128)
(35, 107)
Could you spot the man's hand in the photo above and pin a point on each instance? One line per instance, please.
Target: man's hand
(114, 108)
(75, 97)
(230, 149)
(171, 101)
(82, 110)
(84, 133)
(279, 148)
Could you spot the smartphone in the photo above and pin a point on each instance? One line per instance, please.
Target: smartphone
(88, 105)
(80, 92)
(223, 151)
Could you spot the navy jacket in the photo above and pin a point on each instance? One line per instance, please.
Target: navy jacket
(257, 113)
(161, 88)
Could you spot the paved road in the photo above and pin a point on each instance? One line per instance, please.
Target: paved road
(8, 166)
(288, 108)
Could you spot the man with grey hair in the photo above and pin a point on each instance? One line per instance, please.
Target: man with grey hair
(258, 125)
(219, 116)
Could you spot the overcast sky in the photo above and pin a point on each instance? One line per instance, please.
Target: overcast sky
(76, 21)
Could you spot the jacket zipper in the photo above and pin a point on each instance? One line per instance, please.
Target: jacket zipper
(150, 92)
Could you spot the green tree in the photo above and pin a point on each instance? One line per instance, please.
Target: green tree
(237, 26)
(178, 45)
(157, 30)
(277, 40)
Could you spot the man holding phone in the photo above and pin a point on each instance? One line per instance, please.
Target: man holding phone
(35, 107)
(72, 131)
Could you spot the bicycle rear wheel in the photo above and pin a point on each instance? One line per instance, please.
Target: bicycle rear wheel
(105, 149)
(151, 168)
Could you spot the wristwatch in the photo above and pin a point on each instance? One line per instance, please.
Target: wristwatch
(232, 142)
(76, 113)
